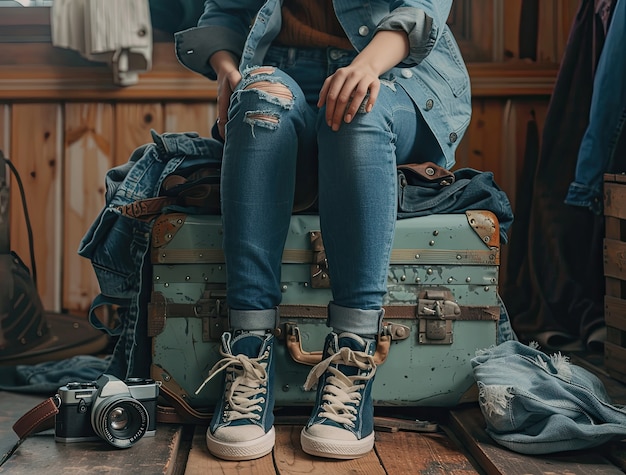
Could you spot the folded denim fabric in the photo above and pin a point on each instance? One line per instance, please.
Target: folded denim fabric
(46, 378)
(534, 403)
(470, 190)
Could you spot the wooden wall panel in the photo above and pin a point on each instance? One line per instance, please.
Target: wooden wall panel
(566, 13)
(36, 149)
(190, 117)
(474, 25)
(481, 147)
(88, 156)
(510, 38)
(5, 128)
(133, 122)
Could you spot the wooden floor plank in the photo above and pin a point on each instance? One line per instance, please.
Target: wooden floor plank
(201, 462)
(41, 454)
(468, 425)
(291, 460)
(415, 453)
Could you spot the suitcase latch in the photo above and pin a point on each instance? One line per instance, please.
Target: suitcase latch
(436, 312)
(214, 314)
(319, 266)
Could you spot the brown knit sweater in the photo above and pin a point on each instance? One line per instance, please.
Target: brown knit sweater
(311, 23)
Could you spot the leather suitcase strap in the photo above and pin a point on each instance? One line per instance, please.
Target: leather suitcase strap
(179, 411)
(391, 311)
(302, 256)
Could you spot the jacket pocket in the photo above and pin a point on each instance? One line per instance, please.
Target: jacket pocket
(446, 62)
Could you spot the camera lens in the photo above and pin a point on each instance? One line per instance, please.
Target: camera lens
(119, 420)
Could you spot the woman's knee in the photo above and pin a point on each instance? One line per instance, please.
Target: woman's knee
(267, 93)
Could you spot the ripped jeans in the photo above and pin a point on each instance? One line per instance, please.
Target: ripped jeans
(273, 121)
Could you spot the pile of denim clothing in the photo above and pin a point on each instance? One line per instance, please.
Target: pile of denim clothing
(535, 403)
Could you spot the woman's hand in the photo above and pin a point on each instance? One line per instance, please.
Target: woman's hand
(228, 77)
(349, 90)
(354, 88)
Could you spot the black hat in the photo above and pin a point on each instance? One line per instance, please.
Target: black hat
(30, 335)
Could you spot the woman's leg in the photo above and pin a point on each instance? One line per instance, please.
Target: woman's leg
(358, 202)
(269, 120)
(358, 209)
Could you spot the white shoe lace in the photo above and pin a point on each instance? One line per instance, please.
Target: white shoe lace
(342, 394)
(245, 383)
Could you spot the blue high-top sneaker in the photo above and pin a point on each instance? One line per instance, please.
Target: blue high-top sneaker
(342, 423)
(242, 424)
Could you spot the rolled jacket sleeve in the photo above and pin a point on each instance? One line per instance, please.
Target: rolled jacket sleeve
(420, 28)
(195, 46)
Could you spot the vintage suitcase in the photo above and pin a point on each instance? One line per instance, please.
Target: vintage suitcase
(442, 305)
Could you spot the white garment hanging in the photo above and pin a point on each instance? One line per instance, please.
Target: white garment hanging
(117, 32)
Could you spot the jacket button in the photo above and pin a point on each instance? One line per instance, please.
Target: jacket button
(453, 136)
(429, 104)
(364, 30)
(407, 73)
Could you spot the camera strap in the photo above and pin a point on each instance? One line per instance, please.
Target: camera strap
(37, 419)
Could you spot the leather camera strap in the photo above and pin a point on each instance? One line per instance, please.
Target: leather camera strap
(37, 419)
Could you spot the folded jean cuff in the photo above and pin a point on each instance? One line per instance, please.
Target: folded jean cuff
(251, 320)
(355, 320)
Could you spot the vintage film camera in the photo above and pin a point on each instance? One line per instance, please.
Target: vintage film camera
(120, 412)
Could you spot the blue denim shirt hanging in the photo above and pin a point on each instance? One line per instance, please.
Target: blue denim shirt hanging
(607, 117)
(534, 403)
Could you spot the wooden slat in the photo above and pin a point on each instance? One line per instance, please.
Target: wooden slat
(481, 148)
(511, 18)
(289, 457)
(547, 32)
(36, 151)
(615, 259)
(5, 128)
(411, 452)
(615, 312)
(615, 200)
(41, 454)
(566, 12)
(133, 122)
(469, 426)
(615, 360)
(201, 462)
(88, 156)
(190, 117)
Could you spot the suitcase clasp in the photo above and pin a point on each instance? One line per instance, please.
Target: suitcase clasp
(436, 312)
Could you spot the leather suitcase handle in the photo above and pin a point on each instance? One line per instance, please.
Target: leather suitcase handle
(311, 358)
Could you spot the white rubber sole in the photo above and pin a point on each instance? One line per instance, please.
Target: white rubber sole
(248, 450)
(336, 449)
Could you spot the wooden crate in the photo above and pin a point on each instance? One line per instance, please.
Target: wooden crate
(615, 274)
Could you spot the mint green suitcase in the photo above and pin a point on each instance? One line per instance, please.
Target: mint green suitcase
(441, 306)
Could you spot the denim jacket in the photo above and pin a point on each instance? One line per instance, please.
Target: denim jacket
(433, 74)
(607, 117)
(118, 245)
(538, 404)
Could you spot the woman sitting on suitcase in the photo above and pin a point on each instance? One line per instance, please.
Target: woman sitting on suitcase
(358, 87)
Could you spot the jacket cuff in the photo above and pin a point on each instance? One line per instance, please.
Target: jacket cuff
(418, 26)
(196, 45)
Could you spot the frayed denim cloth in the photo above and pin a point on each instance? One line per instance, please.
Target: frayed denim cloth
(538, 404)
